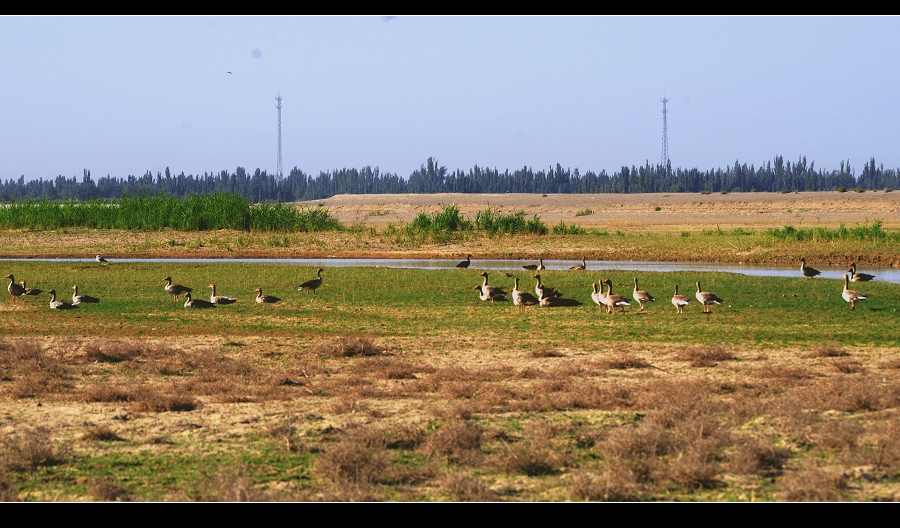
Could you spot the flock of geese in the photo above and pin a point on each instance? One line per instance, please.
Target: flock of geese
(547, 296)
(544, 295)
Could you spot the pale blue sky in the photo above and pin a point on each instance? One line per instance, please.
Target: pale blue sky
(123, 95)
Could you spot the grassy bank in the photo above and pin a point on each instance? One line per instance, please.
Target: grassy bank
(402, 385)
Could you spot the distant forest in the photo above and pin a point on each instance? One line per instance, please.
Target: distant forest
(775, 176)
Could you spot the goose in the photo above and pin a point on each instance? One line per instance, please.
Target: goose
(82, 299)
(196, 303)
(312, 284)
(219, 299)
(260, 298)
(849, 295)
(598, 296)
(493, 296)
(175, 290)
(535, 267)
(680, 301)
(708, 298)
(614, 301)
(15, 290)
(59, 305)
(806, 270)
(858, 277)
(101, 260)
(465, 264)
(491, 291)
(522, 299)
(580, 267)
(557, 301)
(641, 296)
(545, 291)
(30, 291)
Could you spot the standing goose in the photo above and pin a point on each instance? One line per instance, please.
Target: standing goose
(465, 264)
(312, 284)
(16, 290)
(59, 305)
(82, 299)
(196, 303)
(707, 298)
(101, 260)
(535, 267)
(679, 301)
(849, 295)
(641, 296)
(493, 292)
(806, 270)
(31, 291)
(175, 290)
(261, 299)
(544, 291)
(219, 299)
(614, 301)
(522, 299)
(580, 267)
(598, 296)
(858, 277)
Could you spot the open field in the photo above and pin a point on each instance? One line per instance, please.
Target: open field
(401, 385)
(734, 228)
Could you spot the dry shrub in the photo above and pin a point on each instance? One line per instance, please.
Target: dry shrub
(827, 351)
(30, 448)
(390, 368)
(846, 394)
(348, 403)
(112, 351)
(348, 346)
(837, 433)
(811, 485)
(547, 352)
(151, 399)
(466, 488)
(106, 490)
(106, 393)
(784, 373)
(760, 456)
(9, 490)
(626, 361)
(697, 465)
(705, 355)
(354, 461)
(229, 484)
(102, 433)
(458, 442)
(614, 482)
(533, 456)
(34, 371)
(847, 366)
(605, 396)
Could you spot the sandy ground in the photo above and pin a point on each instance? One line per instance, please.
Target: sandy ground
(619, 211)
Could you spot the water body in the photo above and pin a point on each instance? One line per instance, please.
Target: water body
(890, 275)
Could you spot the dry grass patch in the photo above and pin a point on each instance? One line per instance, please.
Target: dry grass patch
(348, 346)
(705, 356)
(30, 448)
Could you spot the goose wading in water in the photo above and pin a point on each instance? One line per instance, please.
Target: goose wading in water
(858, 277)
(312, 284)
(641, 296)
(707, 298)
(82, 299)
(679, 301)
(806, 270)
(535, 267)
(175, 290)
(59, 305)
(521, 298)
(580, 267)
(851, 296)
(30, 291)
(196, 303)
(16, 290)
(263, 299)
(219, 299)
(101, 260)
(465, 264)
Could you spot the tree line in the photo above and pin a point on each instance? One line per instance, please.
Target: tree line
(776, 175)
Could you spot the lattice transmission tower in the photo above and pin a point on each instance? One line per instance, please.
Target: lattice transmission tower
(665, 139)
(279, 169)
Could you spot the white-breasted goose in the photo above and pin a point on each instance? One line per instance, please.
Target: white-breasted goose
(101, 260)
(641, 296)
(679, 301)
(849, 295)
(806, 270)
(219, 299)
(262, 299)
(312, 284)
(82, 299)
(59, 305)
(858, 277)
(175, 290)
(707, 298)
